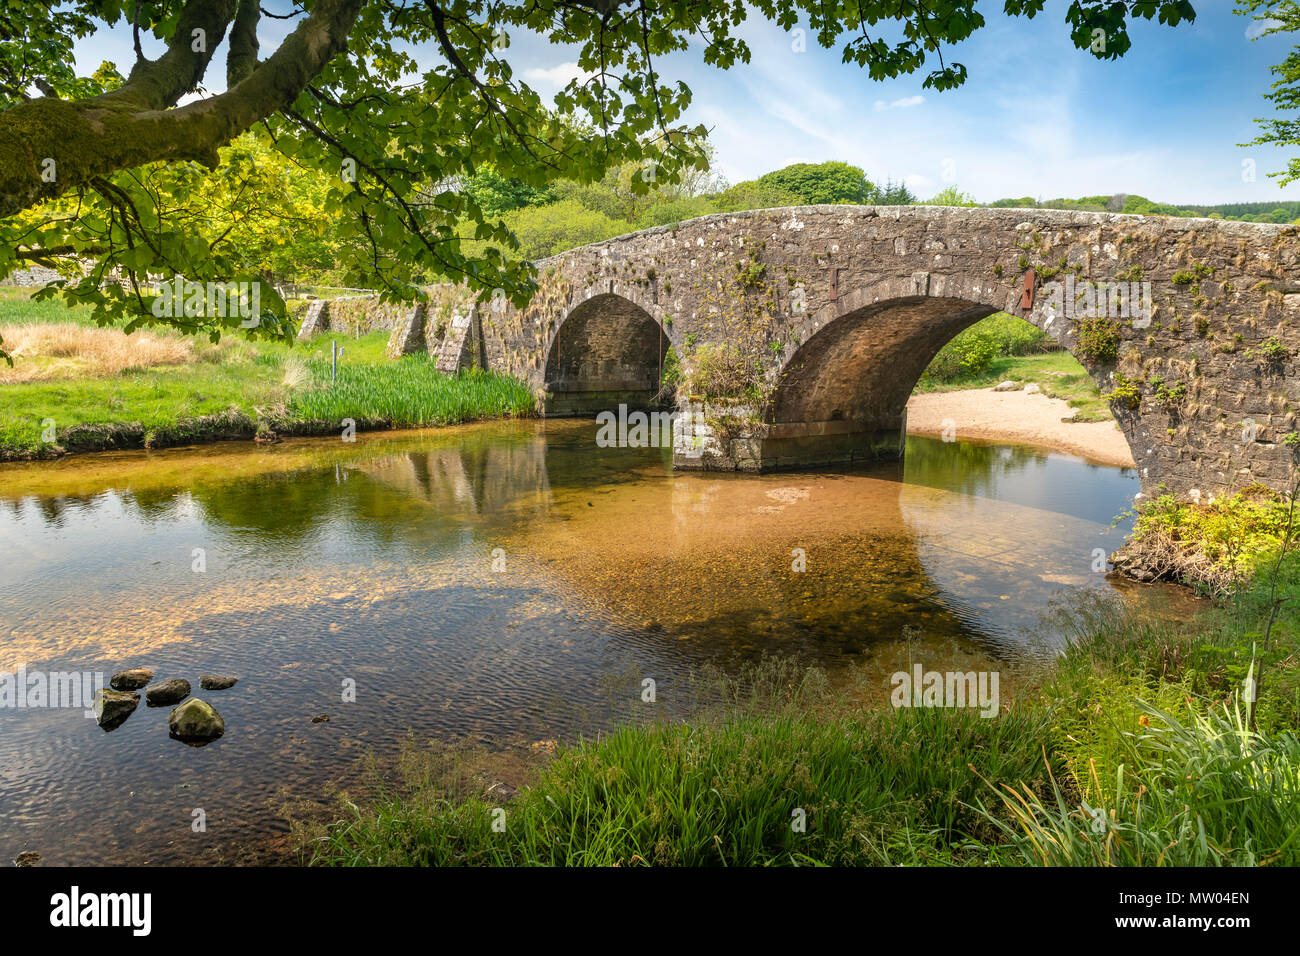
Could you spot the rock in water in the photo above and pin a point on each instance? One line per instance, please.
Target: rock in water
(131, 679)
(196, 722)
(217, 682)
(171, 691)
(112, 707)
(1032, 388)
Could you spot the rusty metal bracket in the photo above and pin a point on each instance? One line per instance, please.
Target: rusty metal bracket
(1027, 299)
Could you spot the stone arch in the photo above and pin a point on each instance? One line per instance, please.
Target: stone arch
(842, 395)
(608, 350)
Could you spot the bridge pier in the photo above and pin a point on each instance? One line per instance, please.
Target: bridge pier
(713, 438)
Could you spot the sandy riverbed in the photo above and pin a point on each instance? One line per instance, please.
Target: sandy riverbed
(1020, 418)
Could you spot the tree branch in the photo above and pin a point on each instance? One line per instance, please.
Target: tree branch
(135, 125)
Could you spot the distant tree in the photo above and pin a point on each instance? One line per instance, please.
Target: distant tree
(547, 230)
(895, 194)
(1280, 16)
(752, 194)
(675, 210)
(952, 196)
(822, 183)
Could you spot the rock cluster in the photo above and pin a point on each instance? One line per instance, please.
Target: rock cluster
(195, 721)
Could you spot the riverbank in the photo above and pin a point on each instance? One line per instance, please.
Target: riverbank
(241, 391)
(1017, 417)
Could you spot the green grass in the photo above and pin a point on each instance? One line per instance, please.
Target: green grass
(234, 387)
(725, 792)
(1194, 790)
(410, 392)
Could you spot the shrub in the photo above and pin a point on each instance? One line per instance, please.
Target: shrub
(726, 371)
(1169, 395)
(1099, 339)
(1126, 394)
(973, 350)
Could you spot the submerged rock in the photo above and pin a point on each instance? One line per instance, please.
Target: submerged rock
(113, 707)
(27, 858)
(130, 679)
(170, 691)
(196, 722)
(217, 682)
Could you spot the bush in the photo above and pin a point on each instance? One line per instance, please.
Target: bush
(972, 351)
(1099, 339)
(1126, 394)
(1216, 545)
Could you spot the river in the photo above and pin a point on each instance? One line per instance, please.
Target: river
(508, 583)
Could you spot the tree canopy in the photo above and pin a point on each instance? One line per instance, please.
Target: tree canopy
(408, 121)
(1280, 16)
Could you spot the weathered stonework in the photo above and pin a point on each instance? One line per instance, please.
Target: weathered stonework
(420, 327)
(315, 320)
(855, 302)
(408, 335)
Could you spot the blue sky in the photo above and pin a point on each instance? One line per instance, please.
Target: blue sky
(1036, 117)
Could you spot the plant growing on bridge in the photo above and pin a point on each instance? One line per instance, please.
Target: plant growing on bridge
(1168, 395)
(1099, 339)
(1271, 352)
(401, 106)
(1127, 394)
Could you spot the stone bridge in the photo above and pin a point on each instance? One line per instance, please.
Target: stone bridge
(797, 335)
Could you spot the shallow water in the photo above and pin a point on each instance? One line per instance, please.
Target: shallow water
(509, 582)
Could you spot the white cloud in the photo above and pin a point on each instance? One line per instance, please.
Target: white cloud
(557, 76)
(905, 102)
(1260, 27)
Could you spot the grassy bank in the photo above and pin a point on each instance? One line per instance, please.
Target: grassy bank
(1132, 750)
(75, 387)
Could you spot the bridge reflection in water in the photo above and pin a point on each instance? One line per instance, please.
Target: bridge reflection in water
(374, 562)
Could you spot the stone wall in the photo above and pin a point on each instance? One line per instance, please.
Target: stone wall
(414, 327)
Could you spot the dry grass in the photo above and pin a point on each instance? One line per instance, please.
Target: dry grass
(76, 351)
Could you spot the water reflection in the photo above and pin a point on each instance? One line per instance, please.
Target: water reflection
(511, 581)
